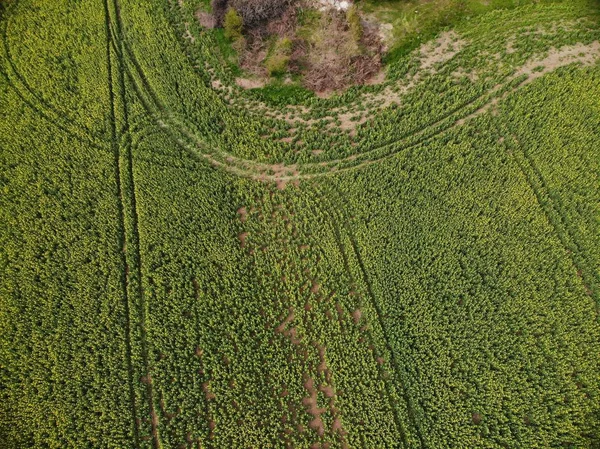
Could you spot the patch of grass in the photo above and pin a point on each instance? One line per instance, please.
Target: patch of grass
(308, 21)
(354, 23)
(226, 50)
(205, 5)
(233, 24)
(418, 21)
(279, 94)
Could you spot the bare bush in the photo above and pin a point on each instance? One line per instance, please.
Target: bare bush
(336, 53)
(285, 25)
(257, 12)
(336, 59)
(219, 8)
(205, 19)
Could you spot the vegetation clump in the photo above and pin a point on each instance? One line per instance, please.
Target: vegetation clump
(277, 62)
(354, 23)
(233, 24)
(328, 49)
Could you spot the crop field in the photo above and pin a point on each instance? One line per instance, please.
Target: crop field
(186, 262)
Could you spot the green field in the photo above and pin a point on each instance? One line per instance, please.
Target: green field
(185, 263)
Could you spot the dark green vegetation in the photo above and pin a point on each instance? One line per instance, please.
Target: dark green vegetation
(186, 264)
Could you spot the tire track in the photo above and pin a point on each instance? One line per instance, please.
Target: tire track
(394, 362)
(253, 169)
(137, 142)
(123, 236)
(473, 107)
(338, 216)
(553, 213)
(397, 420)
(49, 119)
(116, 38)
(257, 170)
(86, 133)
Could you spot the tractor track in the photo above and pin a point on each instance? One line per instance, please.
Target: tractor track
(87, 135)
(397, 421)
(49, 119)
(189, 141)
(553, 213)
(476, 105)
(196, 147)
(129, 213)
(339, 217)
(253, 169)
(123, 236)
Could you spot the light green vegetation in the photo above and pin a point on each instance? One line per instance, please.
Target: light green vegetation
(354, 23)
(187, 263)
(416, 21)
(232, 24)
(278, 59)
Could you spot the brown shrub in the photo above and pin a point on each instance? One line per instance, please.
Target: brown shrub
(257, 12)
(336, 59)
(206, 20)
(330, 55)
(219, 8)
(285, 25)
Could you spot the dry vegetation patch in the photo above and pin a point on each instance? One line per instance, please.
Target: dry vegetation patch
(328, 46)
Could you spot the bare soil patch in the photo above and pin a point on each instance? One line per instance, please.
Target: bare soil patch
(580, 53)
(315, 287)
(441, 50)
(461, 73)
(207, 392)
(377, 78)
(327, 390)
(279, 329)
(292, 332)
(205, 19)
(250, 83)
(585, 55)
(337, 425)
(243, 213)
(322, 361)
(310, 403)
